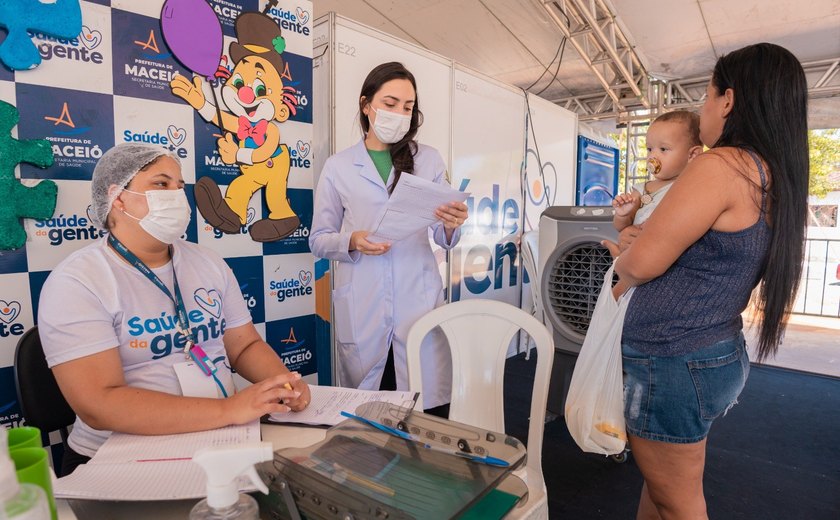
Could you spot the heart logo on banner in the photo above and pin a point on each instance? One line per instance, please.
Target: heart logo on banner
(210, 301)
(176, 135)
(90, 39)
(541, 192)
(303, 148)
(303, 16)
(89, 212)
(305, 277)
(251, 214)
(9, 311)
(541, 186)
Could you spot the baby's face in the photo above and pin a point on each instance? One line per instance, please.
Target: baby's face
(668, 142)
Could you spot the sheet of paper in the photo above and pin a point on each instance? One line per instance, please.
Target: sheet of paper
(329, 401)
(174, 480)
(411, 208)
(124, 447)
(150, 467)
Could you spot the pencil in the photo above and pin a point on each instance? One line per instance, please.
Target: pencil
(287, 386)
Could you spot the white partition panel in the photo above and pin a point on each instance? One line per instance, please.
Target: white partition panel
(322, 91)
(488, 121)
(358, 49)
(552, 138)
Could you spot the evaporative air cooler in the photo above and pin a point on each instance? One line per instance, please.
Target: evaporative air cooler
(572, 264)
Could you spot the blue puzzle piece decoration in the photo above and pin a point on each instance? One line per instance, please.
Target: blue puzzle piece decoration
(16, 200)
(62, 19)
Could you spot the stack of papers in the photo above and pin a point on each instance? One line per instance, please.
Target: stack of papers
(329, 401)
(411, 208)
(150, 467)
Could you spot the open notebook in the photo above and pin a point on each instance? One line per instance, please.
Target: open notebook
(150, 467)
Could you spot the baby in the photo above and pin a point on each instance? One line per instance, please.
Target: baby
(673, 139)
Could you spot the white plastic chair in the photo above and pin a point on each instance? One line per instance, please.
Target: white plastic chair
(529, 249)
(479, 333)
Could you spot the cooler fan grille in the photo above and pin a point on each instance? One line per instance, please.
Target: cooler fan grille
(574, 282)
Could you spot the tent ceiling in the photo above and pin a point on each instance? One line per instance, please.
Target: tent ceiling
(515, 41)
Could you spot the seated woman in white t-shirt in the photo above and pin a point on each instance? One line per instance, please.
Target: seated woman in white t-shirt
(112, 333)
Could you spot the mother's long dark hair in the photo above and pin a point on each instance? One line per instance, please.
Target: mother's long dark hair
(402, 152)
(769, 117)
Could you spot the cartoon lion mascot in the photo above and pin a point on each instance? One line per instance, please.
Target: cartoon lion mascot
(257, 102)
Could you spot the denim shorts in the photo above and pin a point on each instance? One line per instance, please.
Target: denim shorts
(676, 398)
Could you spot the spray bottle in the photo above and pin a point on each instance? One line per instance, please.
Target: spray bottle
(223, 464)
(18, 501)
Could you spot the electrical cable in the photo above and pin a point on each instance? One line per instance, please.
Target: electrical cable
(548, 68)
(537, 149)
(548, 196)
(560, 50)
(557, 70)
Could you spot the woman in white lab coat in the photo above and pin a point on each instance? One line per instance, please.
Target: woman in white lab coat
(381, 289)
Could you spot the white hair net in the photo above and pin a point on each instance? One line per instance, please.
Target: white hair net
(115, 170)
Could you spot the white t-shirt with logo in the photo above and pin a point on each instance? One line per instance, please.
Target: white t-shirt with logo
(94, 301)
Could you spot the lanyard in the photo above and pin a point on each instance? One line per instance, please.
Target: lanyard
(180, 311)
(200, 358)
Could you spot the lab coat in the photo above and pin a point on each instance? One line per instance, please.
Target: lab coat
(376, 299)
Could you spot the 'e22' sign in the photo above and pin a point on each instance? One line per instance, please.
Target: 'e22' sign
(349, 50)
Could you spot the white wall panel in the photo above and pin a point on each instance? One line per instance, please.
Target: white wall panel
(358, 50)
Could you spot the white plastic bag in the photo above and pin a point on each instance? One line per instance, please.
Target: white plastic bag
(595, 404)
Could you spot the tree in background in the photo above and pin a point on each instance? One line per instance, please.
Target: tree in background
(824, 154)
(620, 137)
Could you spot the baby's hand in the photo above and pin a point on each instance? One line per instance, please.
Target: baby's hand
(625, 204)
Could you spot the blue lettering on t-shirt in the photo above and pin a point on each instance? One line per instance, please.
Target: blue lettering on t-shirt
(162, 343)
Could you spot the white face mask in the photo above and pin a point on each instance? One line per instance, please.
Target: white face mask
(390, 127)
(168, 216)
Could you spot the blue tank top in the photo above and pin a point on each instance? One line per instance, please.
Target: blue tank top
(698, 301)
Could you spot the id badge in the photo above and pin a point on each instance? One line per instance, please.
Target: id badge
(195, 384)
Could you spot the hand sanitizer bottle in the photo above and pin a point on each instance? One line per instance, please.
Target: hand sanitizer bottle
(223, 464)
(18, 501)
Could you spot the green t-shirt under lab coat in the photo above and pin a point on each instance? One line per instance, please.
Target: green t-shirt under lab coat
(382, 160)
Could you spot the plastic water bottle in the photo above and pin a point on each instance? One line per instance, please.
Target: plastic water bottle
(18, 501)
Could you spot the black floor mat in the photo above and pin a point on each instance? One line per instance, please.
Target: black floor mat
(771, 457)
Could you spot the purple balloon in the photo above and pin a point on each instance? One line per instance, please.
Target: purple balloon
(193, 33)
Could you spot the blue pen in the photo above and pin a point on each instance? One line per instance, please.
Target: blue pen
(490, 461)
(379, 426)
